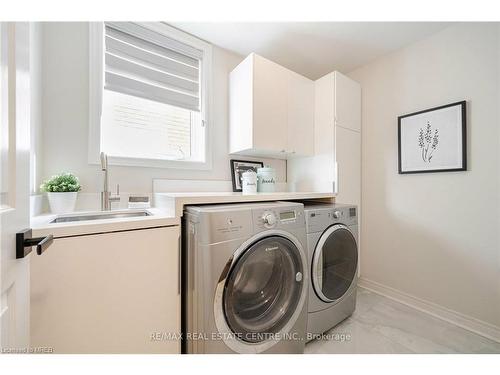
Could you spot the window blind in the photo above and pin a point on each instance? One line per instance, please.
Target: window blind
(144, 63)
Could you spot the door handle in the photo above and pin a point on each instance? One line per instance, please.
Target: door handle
(25, 242)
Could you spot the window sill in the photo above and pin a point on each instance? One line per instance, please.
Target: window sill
(155, 163)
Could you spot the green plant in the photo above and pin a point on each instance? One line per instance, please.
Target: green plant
(64, 182)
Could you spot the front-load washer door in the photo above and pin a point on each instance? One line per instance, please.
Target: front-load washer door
(263, 289)
(334, 263)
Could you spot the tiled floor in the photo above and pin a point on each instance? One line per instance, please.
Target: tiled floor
(381, 325)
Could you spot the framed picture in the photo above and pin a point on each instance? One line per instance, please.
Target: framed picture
(433, 140)
(238, 167)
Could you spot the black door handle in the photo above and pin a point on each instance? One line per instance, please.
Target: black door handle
(25, 241)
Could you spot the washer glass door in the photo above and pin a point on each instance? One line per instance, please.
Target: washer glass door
(263, 289)
(335, 262)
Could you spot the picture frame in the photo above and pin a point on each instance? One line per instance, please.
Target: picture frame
(433, 140)
(238, 167)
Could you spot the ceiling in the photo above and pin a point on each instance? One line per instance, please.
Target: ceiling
(313, 49)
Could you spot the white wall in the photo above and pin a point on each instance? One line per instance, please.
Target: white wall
(435, 236)
(65, 116)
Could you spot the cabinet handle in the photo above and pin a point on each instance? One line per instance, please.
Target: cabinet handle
(336, 183)
(179, 270)
(25, 242)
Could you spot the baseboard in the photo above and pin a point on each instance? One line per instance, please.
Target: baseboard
(480, 327)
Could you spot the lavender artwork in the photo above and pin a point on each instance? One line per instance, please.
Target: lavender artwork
(433, 140)
(427, 142)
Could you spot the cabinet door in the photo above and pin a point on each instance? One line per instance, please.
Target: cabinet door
(347, 102)
(269, 106)
(300, 115)
(108, 293)
(324, 114)
(348, 158)
(241, 106)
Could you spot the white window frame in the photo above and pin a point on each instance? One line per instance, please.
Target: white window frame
(96, 87)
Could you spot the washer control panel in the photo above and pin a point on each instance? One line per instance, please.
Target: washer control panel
(280, 217)
(218, 223)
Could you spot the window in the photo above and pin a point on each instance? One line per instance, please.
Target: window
(149, 95)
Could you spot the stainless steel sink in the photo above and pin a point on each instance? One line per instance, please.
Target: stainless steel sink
(99, 216)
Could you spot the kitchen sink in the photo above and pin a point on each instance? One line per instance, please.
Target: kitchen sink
(99, 216)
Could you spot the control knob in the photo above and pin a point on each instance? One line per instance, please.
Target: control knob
(337, 214)
(269, 219)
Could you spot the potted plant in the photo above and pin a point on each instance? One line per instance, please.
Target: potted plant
(62, 191)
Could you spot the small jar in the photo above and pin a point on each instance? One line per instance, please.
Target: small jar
(266, 178)
(249, 182)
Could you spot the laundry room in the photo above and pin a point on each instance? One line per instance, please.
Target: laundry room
(210, 184)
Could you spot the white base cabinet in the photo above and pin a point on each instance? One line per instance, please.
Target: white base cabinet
(108, 293)
(271, 110)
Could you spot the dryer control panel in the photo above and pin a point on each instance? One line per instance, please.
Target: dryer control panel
(321, 217)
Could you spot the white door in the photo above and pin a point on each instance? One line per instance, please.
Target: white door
(14, 183)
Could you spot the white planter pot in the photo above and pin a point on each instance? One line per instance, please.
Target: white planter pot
(62, 203)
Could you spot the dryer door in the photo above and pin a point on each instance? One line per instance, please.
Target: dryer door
(335, 261)
(263, 289)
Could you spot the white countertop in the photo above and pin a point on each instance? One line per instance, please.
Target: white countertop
(42, 226)
(174, 202)
(168, 211)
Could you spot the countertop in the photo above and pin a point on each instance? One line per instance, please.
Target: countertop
(42, 226)
(167, 212)
(174, 202)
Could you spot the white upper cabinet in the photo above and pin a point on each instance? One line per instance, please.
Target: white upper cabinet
(269, 106)
(271, 110)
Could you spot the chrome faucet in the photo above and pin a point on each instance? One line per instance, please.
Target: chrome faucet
(106, 198)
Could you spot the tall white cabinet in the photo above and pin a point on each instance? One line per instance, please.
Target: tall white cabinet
(336, 163)
(348, 139)
(271, 110)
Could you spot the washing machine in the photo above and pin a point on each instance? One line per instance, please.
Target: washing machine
(332, 242)
(245, 278)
